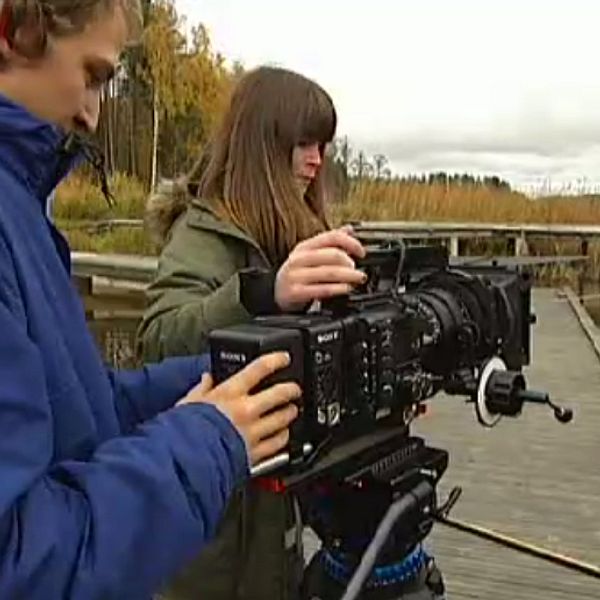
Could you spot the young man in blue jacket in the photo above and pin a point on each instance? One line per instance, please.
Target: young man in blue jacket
(109, 482)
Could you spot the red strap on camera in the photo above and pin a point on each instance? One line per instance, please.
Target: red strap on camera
(269, 484)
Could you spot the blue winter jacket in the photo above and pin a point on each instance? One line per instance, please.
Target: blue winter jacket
(105, 491)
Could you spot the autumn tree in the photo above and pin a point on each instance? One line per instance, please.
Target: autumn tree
(169, 94)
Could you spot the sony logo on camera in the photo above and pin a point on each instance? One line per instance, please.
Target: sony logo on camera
(330, 336)
(236, 357)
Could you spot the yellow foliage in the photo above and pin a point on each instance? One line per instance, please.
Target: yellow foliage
(78, 199)
(163, 43)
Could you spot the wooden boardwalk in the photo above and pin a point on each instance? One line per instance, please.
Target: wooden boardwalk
(530, 478)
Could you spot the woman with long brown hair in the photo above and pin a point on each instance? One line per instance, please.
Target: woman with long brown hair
(246, 234)
(257, 194)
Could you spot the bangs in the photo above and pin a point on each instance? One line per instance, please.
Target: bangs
(318, 120)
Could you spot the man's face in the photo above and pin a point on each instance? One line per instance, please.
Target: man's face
(63, 87)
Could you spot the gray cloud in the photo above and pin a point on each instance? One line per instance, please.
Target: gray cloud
(541, 139)
(524, 150)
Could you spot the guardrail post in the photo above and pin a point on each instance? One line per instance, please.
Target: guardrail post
(521, 247)
(454, 246)
(511, 246)
(584, 249)
(84, 284)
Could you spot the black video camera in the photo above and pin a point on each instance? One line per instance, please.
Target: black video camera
(368, 360)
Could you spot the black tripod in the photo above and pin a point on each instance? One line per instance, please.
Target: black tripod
(391, 475)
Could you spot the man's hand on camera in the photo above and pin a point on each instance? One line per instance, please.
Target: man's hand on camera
(261, 418)
(319, 268)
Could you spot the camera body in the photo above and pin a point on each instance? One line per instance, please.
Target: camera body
(368, 360)
(366, 364)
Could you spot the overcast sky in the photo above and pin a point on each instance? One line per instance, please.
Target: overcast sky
(501, 87)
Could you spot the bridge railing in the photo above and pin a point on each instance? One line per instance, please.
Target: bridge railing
(140, 269)
(454, 233)
(127, 267)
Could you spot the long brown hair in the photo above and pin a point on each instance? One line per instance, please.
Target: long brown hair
(245, 172)
(249, 175)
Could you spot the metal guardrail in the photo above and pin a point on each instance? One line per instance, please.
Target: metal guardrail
(441, 229)
(104, 225)
(421, 228)
(516, 233)
(114, 266)
(141, 268)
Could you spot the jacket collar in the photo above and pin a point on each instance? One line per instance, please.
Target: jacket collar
(33, 150)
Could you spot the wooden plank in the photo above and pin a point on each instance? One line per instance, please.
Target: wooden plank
(587, 324)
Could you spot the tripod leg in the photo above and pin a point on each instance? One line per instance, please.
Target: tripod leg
(432, 584)
(316, 585)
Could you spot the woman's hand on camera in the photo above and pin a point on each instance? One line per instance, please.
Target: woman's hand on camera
(262, 418)
(319, 268)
